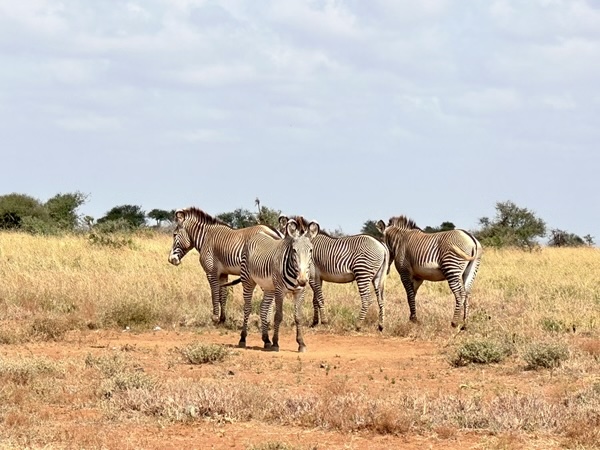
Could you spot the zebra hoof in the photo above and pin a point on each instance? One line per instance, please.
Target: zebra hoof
(302, 349)
(215, 319)
(463, 327)
(274, 348)
(380, 327)
(267, 346)
(414, 319)
(454, 324)
(242, 344)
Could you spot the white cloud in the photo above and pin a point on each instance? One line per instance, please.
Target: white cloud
(89, 122)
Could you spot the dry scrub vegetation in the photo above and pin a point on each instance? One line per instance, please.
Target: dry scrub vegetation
(526, 373)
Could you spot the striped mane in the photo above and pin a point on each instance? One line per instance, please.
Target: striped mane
(403, 222)
(201, 216)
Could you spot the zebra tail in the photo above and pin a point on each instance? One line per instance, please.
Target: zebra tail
(460, 252)
(234, 282)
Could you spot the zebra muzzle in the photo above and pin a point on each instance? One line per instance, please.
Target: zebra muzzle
(174, 259)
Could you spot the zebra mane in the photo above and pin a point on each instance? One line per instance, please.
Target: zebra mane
(303, 225)
(202, 217)
(403, 222)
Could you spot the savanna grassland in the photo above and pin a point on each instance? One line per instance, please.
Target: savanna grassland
(104, 347)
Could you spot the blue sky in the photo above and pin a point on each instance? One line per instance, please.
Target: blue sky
(341, 111)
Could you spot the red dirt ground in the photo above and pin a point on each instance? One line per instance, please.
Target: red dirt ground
(368, 359)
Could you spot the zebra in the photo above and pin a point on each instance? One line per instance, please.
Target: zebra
(220, 248)
(279, 267)
(360, 258)
(452, 255)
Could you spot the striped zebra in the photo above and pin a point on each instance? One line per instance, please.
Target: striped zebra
(279, 267)
(220, 248)
(359, 258)
(452, 255)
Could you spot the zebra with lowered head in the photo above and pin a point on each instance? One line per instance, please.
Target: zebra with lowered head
(452, 255)
(279, 267)
(359, 258)
(220, 248)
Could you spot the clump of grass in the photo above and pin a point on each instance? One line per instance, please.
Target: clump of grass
(131, 313)
(198, 353)
(50, 328)
(24, 370)
(544, 355)
(553, 325)
(275, 446)
(120, 374)
(480, 351)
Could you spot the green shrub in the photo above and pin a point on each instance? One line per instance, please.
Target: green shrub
(545, 355)
(552, 325)
(197, 353)
(131, 313)
(480, 351)
(112, 233)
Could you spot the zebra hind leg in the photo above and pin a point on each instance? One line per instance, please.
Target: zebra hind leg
(458, 290)
(365, 300)
(248, 290)
(298, 303)
(223, 292)
(318, 302)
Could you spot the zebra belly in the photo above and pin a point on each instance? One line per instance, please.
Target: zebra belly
(266, 284)
(428, 273)
(337, 277)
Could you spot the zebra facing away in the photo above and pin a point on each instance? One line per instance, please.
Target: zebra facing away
(452, 255)
(220, 248)
(345, 259)
(279, 267)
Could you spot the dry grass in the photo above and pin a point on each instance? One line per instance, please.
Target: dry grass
(550, 299)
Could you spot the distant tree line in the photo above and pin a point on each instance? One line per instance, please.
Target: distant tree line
(512, 226)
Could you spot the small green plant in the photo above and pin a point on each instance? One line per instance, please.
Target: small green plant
(50, 329)
(480, 351)
(552, 325)
(197, 353)
(544, 355)
(130, 313)
(112, 233)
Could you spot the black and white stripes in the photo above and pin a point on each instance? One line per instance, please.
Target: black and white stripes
(452, 255)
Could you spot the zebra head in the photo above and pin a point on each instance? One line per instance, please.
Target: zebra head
(182, 242)
(300, 256)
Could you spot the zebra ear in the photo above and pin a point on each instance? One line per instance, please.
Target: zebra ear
(380, 226)
(292, 228)
(179, 216)
(313, 229)
(283, 220)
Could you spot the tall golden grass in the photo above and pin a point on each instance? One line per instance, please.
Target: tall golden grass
(70, 279)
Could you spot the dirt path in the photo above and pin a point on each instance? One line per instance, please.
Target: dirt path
(382, 365)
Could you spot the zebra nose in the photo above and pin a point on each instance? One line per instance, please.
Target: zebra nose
(302, 281)
(173, 259)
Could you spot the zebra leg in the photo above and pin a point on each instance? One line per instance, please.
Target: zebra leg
(223, 291)
(468, 278)
(411, 286)
(365, 300)
(457, 288)
(298, 304)
(248, 290)
(379, 288)
(215, 291)
(278, 318)
(316, 284)
(265, 307)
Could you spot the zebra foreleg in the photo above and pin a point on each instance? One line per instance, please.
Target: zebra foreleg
(278, 318)
(298, 303)
(223, 291)
(265, 306)
(215, 293)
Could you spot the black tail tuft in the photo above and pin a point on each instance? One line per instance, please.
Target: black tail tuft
(232, 283)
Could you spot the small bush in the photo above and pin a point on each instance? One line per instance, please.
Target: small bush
(24, 370)
(480, 351)
(50, 329)
(545, 355)
(112, 233)
(130, 313)
(197, 353)
(274, 446)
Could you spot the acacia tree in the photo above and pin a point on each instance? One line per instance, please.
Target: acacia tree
(370, 228)
(512, 226)
(561, 238)
(445, 226)
(62, 209)
(133, 215)
(160, 215)
(14, 208)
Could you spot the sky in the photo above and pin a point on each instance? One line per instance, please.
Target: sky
(341, 111)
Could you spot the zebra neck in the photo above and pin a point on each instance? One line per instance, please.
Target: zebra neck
(290, 270)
